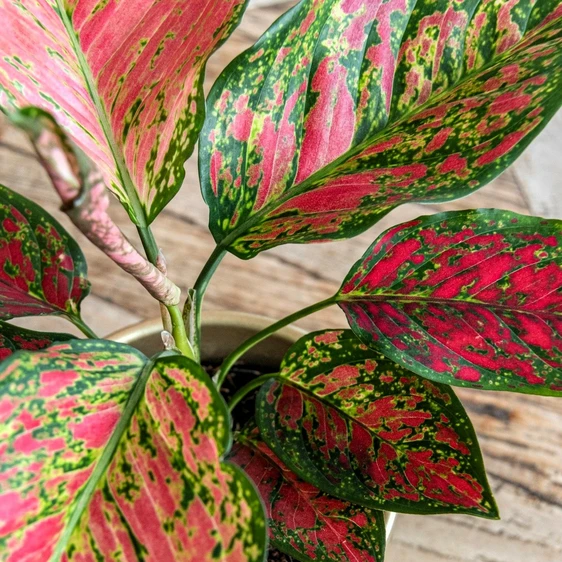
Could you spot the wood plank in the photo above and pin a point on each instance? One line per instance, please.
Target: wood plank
(539, 171)
(104, 317)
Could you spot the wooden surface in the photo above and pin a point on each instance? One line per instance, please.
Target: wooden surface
(521, 436)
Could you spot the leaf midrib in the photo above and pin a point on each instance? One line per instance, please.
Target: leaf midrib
(116, 152)
(103, 462)
(396, 297)
(343, 413)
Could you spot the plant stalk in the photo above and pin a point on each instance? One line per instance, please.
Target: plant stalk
(83, 327)
(198, 294)
(85, 200)
(179, 333)
(148, 243)
(260, 336)
(247, 388)
(178, 327)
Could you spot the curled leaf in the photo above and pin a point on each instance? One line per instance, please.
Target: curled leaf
(303, 521)
(85, 200)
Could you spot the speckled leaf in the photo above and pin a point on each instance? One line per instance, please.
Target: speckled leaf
(42, 269)
(360, 427)
(154, 457)
(345, 109)
(167, 469)
(470, 298)
(58, 409)
(123, 78)
(13, 338)
(303, 521)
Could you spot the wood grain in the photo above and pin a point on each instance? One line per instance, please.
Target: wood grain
(539, 171)
(521, 436)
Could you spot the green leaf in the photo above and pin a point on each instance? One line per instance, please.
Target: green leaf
(101, 461)
(303, 521)
(345, 109)
(470, 298)
(360, 427)
(124, 79)
(13, 338)
(42, 269)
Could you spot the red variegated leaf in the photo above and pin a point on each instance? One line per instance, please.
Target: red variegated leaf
(303, 521)
(470, 298)
(360, 427)
(101, 461)
(345, 109)
(42, 269)
(123, 78)
(13, 338)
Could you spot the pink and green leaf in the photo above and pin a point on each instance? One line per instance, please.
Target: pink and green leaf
(42, 269)
(123, 78)
(345, 109)
(303, 521)
(167, 470)
(470, 298)
(362, 428)
(13, 338)
(94, 447)
(58, 409)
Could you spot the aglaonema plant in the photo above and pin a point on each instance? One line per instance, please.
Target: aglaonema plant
(343, 110)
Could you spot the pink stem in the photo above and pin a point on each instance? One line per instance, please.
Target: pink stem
(85, 200)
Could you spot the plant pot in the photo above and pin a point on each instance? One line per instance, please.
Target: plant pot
(223, 332)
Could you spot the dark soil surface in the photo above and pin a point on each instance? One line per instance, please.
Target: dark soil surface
(238, 376)
(278, 556)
